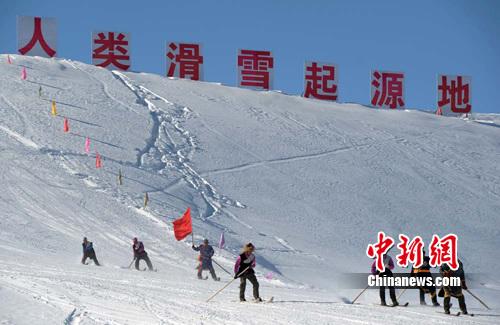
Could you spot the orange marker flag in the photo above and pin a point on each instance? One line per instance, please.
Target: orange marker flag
(24, 74)
(66, 125)
(98, 162)
(183, 226)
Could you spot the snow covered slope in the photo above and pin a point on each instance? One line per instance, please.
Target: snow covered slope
(309, 183)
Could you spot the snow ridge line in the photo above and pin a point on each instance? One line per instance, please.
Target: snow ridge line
(176, 153)
(246, 166)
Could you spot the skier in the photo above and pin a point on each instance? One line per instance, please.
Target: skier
(244, 270)
(205, 258)
(424, 271)
(453, 291)
(88, 252)
(389, 265)
(140, 254)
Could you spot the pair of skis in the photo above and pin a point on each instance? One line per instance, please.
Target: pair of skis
(400, 305)
(268, 301)
(455, 314)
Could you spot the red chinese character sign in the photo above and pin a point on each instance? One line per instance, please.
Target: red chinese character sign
(441, 250)
(255, 69)
(111, 50)
(444, 250)
(379, 249)
(387, 89)
(454, 94)
(320, 81)
(37, 36)
(184, 60)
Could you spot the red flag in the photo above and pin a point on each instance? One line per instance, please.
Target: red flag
(66, 125)
(98, 162)
(183, 226)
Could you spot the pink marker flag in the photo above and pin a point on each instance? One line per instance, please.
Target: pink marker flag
(9, 60)
(269, 276)
(87, 145)
(221, 241)
(24, 74)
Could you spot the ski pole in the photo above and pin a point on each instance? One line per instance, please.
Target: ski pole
(224, 287)
(478, 299)
(359, 295)
(220, 266)
(401, 293)
(131, 263)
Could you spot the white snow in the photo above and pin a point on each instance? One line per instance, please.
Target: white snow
(309, 183)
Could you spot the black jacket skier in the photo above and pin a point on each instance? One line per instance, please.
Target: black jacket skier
(140, 254)
(424, 271)
(88, 251)
(453, 291)
(243, 269)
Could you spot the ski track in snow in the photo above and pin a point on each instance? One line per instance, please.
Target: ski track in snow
(279, 161)
(176, 154)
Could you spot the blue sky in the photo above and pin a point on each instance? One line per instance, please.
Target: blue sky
(420, 38)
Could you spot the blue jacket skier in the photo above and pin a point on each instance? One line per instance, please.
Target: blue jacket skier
(205, 258)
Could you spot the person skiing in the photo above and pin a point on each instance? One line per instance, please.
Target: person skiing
(424, 271)
(453, 291)
(205, 258)
(244, 269)
(88, 252)
(140, 254)
(389, 266)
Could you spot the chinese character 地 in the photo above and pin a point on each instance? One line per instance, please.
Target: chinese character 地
(454, 94)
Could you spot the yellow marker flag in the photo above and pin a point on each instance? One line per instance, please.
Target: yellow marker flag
(146, 200)
(54, 109)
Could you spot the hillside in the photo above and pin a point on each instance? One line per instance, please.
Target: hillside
(309, 183)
